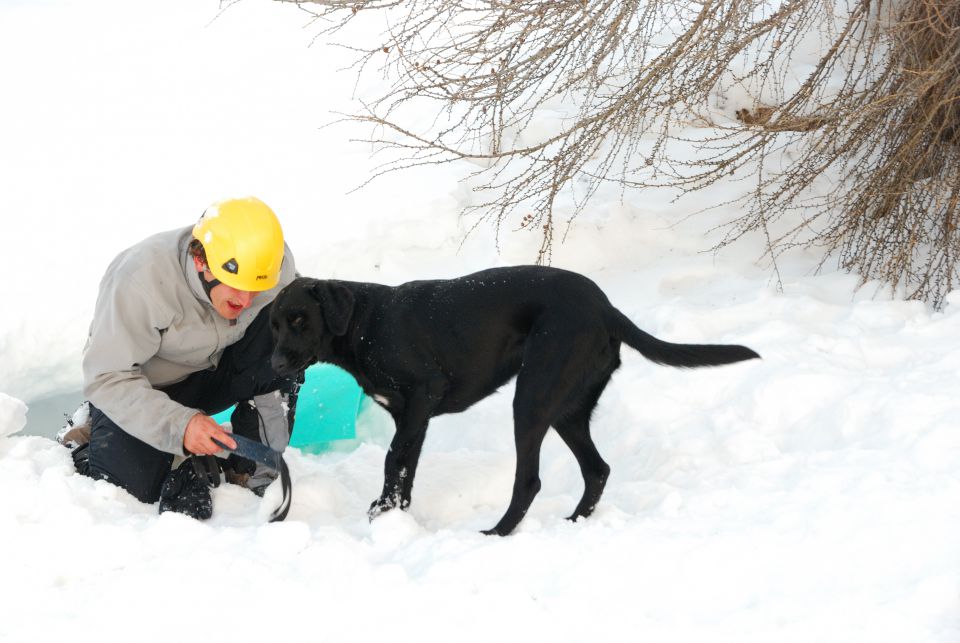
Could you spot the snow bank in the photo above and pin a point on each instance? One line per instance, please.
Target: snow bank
(13, 415)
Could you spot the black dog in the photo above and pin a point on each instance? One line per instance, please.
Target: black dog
(426, 348)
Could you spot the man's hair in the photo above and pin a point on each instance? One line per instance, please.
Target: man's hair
(196, 250)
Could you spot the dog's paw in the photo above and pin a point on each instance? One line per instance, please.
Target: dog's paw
(495, 532)
(379, 506)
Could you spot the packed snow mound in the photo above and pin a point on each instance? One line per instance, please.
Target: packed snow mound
(13, 415)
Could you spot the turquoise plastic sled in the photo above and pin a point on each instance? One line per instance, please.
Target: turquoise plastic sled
(327, 408)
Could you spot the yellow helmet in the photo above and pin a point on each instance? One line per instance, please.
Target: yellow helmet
(243, 243)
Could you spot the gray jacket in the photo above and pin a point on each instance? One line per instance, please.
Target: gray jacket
(153, 326)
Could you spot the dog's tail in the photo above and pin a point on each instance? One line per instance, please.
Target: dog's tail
(669, 354)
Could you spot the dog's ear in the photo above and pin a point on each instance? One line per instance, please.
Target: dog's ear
(336, 302)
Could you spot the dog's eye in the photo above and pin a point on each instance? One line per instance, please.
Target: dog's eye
(298, 321)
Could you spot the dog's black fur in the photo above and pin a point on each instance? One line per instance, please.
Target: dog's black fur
(426, 348)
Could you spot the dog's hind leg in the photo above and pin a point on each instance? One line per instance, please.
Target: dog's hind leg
(576, 434)
(530, 427)
(574, 429)
(548, 379)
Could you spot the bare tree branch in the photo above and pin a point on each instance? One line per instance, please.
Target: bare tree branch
(878, 109)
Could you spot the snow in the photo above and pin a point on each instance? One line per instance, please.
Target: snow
(813, 495)
(13, 415)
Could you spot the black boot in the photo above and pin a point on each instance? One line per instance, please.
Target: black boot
(187, 489)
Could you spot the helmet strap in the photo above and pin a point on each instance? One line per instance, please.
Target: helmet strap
(208, 285)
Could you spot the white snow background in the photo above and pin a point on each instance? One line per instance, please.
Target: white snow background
(810, 496)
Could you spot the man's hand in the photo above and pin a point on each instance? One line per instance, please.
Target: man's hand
(200, 433)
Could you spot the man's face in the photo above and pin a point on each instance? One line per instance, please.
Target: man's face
(227, 301)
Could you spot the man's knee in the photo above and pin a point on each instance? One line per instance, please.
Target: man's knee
(121, 459)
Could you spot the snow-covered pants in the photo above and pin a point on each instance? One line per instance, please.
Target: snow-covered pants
(266, 404)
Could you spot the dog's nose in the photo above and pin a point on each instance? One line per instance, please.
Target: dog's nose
(279, 365)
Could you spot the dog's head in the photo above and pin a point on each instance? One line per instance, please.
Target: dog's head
(307, 315)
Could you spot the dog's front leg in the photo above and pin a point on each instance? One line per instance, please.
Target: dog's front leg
(400, 465)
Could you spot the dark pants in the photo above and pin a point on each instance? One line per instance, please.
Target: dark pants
(244, 371)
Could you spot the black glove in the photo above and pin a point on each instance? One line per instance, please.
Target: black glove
(186, 489)
(238, 470)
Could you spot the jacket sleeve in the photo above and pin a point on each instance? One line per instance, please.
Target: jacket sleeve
(125, 333)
